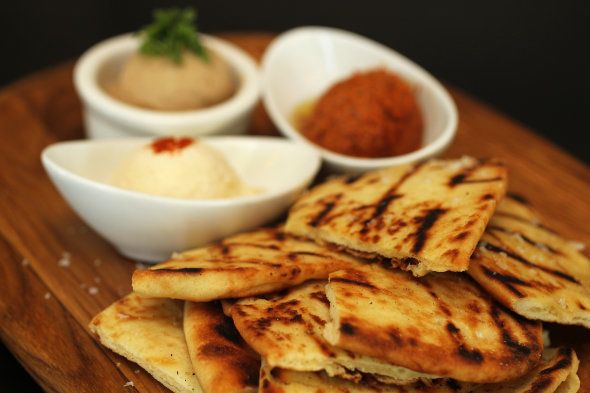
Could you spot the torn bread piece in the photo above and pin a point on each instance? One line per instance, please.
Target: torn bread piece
(442, 324)
(249, 264)
(427, 216)
(149, 333)
(531, 269)
(275, 379)
(555, 373)
(286, 329)
(222, 361)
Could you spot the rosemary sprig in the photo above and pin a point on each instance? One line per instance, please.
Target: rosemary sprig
(172, 31)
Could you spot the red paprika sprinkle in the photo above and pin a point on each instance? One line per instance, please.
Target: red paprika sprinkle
(171, 144)
(370, 114)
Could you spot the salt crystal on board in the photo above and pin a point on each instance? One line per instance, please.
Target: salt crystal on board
(65, 260)
(578, 246)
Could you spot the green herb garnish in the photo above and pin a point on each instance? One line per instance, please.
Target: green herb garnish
(172, 31)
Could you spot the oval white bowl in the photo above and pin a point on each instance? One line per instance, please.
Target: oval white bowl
(304, 62)
(150, 228)
(105, 116)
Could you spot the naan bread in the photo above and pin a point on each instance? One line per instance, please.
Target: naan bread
(221, 360)
(532, 270)
(441, 324)
(249, 264)
(556, 373)
(286, 330)
(149, 333)
(428, 217)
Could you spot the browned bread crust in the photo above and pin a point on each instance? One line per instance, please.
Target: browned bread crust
(442, 324)
(425, 217)
(253, 263)
(531, 269)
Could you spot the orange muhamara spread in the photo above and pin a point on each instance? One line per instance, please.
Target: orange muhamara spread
(371, 114)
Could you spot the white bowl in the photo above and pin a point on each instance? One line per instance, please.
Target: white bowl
(105, 116)
(150, 228)
(304, 62)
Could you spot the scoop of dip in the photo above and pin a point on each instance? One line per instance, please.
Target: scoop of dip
(180, 168)
(173, 71)
(159, 83)
(370, 114)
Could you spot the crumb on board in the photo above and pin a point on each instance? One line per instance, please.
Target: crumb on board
(93, 290)
(65, 260)
(26, 262)
(47, 296)
(578, 246)
(129, 384)
(140, 266)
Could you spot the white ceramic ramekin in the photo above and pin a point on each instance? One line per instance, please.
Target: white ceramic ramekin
(105, 116)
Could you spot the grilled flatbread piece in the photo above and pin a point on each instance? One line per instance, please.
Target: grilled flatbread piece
(532, 270)
(226, 306)
(149, 333)
(249, 264)
(442, 324)
(286, 330)
(428, 216)
(556, 373)
(278, 380)
(220, 358)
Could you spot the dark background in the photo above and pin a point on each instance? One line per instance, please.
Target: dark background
(529, 59)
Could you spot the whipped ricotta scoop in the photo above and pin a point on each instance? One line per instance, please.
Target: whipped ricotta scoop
(180, 167)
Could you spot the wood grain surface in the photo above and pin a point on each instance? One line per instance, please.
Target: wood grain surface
(45, 305)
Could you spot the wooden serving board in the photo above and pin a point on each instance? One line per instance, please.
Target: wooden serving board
(45, 305)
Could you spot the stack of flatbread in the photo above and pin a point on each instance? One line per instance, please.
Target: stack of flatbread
(418, 278)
